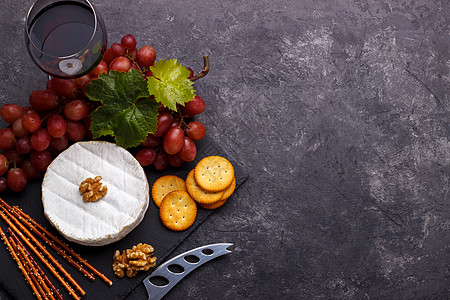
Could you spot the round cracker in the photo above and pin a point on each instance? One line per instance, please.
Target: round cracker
(229, 190)
(164, 185)
(213, 205)
(214, 173)
(198, 194)
(178, 210)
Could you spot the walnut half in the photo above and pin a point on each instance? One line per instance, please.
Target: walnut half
(131, 261)
(92, 189)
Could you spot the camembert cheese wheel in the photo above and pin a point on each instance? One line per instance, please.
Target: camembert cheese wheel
(108, 219)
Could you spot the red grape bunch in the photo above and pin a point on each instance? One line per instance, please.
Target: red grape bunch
(56, 117)
(173, 142)
(59, 116)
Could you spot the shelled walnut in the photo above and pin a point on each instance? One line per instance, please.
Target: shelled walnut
(92, 189)
(131, 261)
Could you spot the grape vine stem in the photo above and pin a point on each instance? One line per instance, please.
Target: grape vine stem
(204, 71)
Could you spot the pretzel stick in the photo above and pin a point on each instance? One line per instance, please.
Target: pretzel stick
(43, 249)
(46, 292)
(35, 276)
(41, 293)
(19, 263)
(61, 244)
(55, 247)
(41, 257)
(37, 267)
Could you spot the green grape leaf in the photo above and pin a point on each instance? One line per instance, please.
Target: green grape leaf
(170, 83)
(127, 113)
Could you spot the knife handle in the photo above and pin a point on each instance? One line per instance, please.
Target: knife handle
(175, 269)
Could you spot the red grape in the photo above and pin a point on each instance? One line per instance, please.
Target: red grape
(23, 145)
(176, 121)
(128, 41)
(189, 150)
(49, 85)
(31, 122)
(120, 63)
(40, 159)
(151, 141)
(14, 158)
(132, 54)
(60, 144)
(11, 112)
(29, 109)
(17, 179)
(75, 131)
(64, 87)
(195, 106)
(100, 69)
(195, 130)
(108, 56)
(7, 139)
(44, 100)
(173, 140)
(18, 129)
(87, 125)
(145, 156)
(76, 110)
(117, 49)
(81, 82)
(31, 171)
(161, 107)
(175, 160)
(164, 122)
(161, 161)
(3, 184)
(56, 125)
(134, 66)
(146, 56)
(40, 140)
(3, 164)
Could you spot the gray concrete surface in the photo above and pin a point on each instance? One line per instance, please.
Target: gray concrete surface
(340, 112)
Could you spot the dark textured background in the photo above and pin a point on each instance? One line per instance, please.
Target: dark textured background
(340, 112)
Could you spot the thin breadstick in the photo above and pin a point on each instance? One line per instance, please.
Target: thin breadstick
(62, 244)
(33, 261)
(49, 242)
(43, 249)
(40, 256)
(28, 269)
(19, 263)
(30, 262)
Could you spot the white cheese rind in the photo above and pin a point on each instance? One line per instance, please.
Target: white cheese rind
(113, 216)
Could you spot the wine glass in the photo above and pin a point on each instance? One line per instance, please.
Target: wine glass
(65, 38)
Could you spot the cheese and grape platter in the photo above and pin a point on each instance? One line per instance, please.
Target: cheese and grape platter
(104, 175)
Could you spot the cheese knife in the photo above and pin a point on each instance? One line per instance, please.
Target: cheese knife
(172, 271)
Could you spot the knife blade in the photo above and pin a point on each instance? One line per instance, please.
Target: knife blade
(167, 275)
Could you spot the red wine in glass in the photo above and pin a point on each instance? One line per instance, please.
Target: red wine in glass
(66, 38)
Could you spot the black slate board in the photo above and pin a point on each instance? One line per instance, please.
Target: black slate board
(150, 231)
